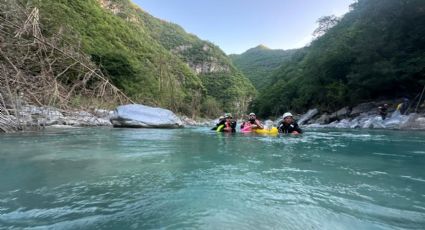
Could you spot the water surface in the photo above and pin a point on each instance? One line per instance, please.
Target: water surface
(194, 178)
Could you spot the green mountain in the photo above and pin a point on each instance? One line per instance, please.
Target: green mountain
(259, 63)
(375, 51)
(155, 62)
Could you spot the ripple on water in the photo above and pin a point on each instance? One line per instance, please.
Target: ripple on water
(194, 178)
(413, 178)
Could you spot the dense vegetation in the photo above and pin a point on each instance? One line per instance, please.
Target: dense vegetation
(375, 51)
(143, 55)
(259, 64)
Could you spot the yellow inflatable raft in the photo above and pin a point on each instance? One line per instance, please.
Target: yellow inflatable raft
(272, 131)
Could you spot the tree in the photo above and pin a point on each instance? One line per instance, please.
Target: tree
(325, 24)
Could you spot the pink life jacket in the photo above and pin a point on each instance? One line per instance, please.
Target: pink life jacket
(247, 128)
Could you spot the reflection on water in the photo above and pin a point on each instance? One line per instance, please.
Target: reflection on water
(194, 178)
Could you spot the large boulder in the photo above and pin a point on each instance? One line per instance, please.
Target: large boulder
(368, 107)
(340, 114)
(307, 116)
(323, 119)
(141, 116)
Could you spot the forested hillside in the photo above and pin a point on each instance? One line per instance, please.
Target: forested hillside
(154, 62)
(376, 51)
(259, 64)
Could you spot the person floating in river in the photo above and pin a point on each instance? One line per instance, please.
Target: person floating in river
(288, 125)
(225, 124)
(229, 124)
(221, 121)
(253, 122)
(383, 111)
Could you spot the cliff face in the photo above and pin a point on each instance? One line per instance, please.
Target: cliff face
(116, 8)
(110, 5)
(211, 64)
(201, 56)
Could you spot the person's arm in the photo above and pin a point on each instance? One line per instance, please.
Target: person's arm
(297, 129)
(259, 125)
(279, 127)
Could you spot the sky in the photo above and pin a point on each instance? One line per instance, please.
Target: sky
(238, 25)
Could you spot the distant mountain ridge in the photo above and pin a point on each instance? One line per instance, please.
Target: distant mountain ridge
(374, 52)
(259, 63)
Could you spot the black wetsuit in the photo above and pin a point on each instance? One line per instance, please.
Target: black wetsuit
(223, 122)
(285, 128)
(233, 126)
(220, 122)
(383, 111)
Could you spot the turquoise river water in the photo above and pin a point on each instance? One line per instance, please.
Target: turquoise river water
(194, 178)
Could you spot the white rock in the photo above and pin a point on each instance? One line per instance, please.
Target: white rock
(141, 116)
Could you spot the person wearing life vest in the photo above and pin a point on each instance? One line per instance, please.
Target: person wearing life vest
(383, 111)
(288, 125)
(402, 107)
(229, 124)
(221, 121)
(253, 122)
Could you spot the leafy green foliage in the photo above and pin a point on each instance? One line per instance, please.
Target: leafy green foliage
(259, 63)
(375, 51)
(228, 90)
(227, 86)
(142, 55)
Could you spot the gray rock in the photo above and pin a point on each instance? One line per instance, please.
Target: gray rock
(84, 118)
(415, 121)
(141, 116)
(369, 107)
(340, 114)
(196, 122)
(307, 116)
(395, 121)
(323, 119)
(103, 113)
(48, 116)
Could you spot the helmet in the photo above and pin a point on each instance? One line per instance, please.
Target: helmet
(252, 114)
(287, 114)
(228, 115)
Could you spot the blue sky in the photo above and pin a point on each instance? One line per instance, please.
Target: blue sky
(237, 25)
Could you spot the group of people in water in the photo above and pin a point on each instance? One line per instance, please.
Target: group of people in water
(287, 125)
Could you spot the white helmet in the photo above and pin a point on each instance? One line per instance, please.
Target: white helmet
(287, 114)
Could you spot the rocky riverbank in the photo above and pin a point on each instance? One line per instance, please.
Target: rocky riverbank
(32, 117)
(362, 116)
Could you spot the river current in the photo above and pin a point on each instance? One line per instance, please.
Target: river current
(193, 178)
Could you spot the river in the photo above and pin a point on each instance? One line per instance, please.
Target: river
(193, 178)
